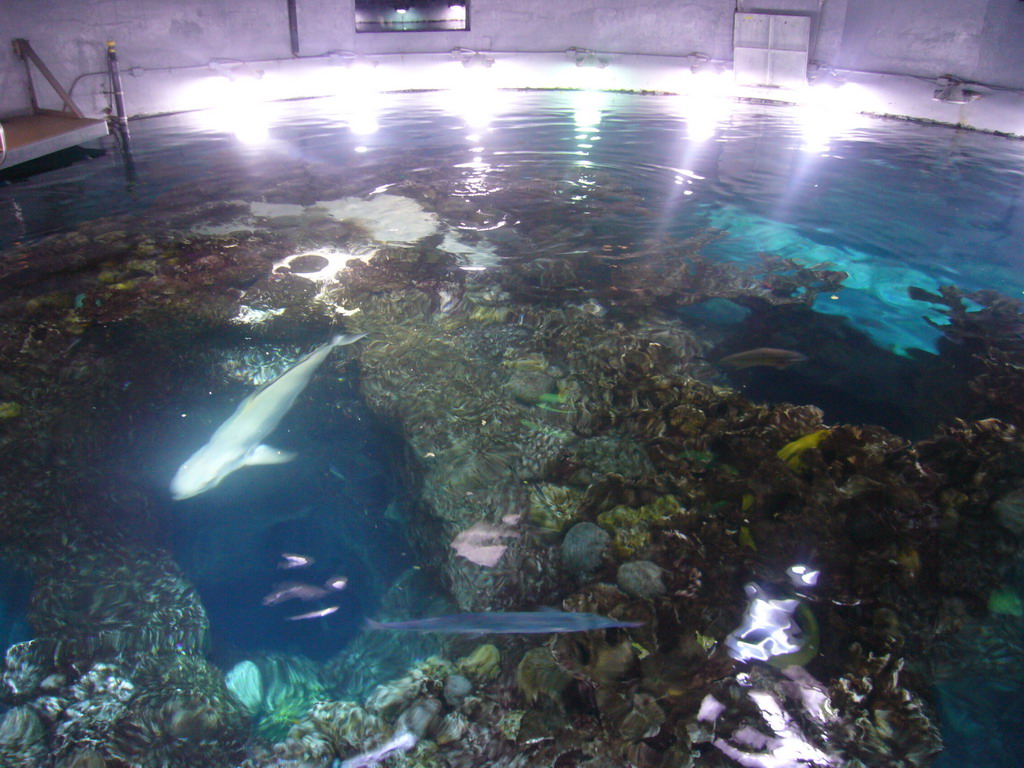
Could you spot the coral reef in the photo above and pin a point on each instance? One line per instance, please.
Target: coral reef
(564, 430)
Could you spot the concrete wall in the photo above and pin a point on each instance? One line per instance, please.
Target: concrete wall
(973, 39)
(979, 40)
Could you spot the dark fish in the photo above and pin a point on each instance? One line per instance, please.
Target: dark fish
(498, 622)
(291, 590)
(776, 358)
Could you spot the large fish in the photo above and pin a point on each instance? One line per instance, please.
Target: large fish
(507, 623)
(292, 590)
(767, 356)
(238, 441)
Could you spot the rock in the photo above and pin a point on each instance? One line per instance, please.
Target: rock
(245, 684)
(641, 578)
(583, 548)
(420, 717)
(456, 689)
(1009, 509)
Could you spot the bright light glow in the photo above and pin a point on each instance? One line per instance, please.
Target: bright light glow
(588, 109)
(362, 124)
(828, 111)
(767, 628)
(802, 576)
(592, 78)
(705, 102)
(710, 709)
(811, 694)
(234, 106)
(785, 748)
(356, 94)
(473, 94)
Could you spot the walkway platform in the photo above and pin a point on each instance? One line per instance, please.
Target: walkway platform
(32, 136)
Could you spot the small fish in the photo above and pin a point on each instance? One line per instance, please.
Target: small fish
(295, 561)
(336, 583)
(292, 590)
(314, 614)
(507, 623)
(400, 742)
(766, 356)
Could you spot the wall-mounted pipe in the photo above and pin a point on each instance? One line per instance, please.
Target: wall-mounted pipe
(293, 26)
(115, 88)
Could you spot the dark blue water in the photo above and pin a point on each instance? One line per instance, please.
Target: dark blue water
(894, 204)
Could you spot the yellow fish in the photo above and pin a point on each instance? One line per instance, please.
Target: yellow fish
(792, 453)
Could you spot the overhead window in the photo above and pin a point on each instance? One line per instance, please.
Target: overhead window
(412, 15)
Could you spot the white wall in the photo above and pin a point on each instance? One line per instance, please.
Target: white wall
(973, 39)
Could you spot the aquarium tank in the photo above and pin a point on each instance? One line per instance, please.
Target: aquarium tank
(563, 427)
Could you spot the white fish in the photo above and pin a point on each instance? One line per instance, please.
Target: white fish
(315, 614)
(295, 561)
(336, 583)
(238, 441)
(400, 742)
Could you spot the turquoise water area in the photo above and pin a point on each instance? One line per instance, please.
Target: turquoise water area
(543, 413)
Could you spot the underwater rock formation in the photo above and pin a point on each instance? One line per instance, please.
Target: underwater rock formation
(117, 665)
(22, 742)
(592, 421)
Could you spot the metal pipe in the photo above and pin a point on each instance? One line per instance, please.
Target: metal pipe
(115, 88)
(293, 26)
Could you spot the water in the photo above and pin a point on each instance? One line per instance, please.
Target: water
(542, 277)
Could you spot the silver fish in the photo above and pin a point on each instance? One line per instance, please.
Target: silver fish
(295, 561)
(400, 742)
(293, 590)
(507, 623)
(336, 583)
(314, 614)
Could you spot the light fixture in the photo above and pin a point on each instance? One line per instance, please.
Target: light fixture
(401, 7)
(233, 69)
(472, 59)
(698, 61)
(586, 58)
(341, 58)
(349, 60)
(952, 91)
